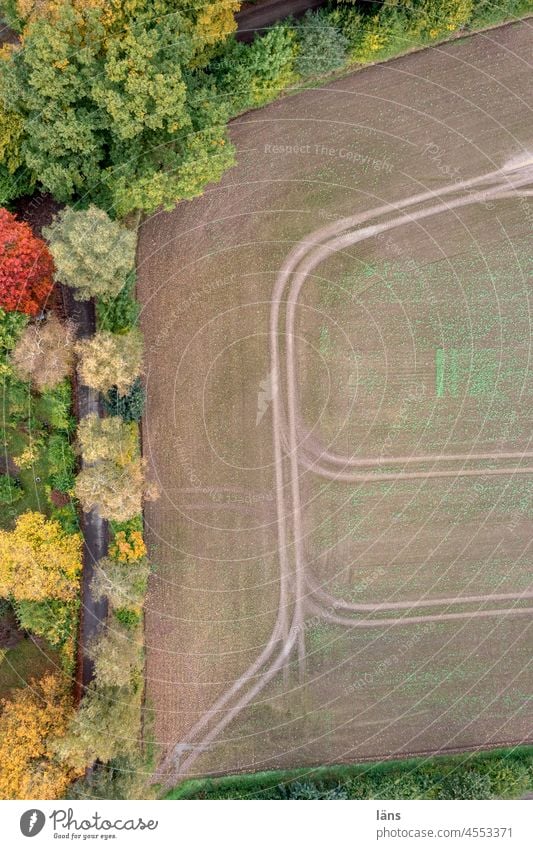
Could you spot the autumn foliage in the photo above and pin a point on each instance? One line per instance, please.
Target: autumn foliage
(35, 716)
(110, 359)
(26, 267)
(44, 353)
(112, 478)
(128, 546)
(38, 560)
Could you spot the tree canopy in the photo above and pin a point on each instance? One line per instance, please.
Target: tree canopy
(39, 560)
(26, 267)
(35, 717)
(92, 254)
(110, 360)
(44, 352)
(113, 104)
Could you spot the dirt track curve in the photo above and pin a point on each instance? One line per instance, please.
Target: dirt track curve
(292, 447)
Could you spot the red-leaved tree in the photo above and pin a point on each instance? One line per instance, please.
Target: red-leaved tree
(26, 267)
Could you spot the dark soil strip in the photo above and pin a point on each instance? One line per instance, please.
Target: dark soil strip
(255, 18)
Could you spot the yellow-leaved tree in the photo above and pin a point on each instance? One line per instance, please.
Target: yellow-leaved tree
(213, 20)
(38, 560)
(30, 721)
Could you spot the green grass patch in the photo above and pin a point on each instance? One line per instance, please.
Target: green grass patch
(24, 662)
(499, 774)
(37, 434)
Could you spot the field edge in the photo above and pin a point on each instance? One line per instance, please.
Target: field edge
(259, 782)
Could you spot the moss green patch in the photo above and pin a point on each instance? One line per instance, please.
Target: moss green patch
(24, 662)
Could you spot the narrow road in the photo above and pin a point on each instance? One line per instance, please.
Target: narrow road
(256, 18)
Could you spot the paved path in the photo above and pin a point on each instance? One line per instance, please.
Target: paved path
(256, 18)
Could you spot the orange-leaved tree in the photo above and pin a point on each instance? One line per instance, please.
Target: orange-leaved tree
(26, 267)
(39, 560)
(30, 721)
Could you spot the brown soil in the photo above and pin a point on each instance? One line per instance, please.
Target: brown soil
(342, 539)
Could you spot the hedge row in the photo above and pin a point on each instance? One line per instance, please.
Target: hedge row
(500, 774)
(108, 726)
(340, 37)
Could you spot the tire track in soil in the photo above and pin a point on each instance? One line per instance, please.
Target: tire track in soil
(503, 183)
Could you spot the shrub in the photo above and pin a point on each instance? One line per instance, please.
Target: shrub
(38, 560)
(121, 313)
(251, 75)
(394, 27)
(271, 60)
(67, 517)
(123, 584)
(10, 490)
(30, 724)
(55, 404)
(61, 463)
(322, 46)
(487, 12)
(508, 780)
(127, 617)
(349, 21)
(93, 254)
(311, 790)
(128, 546)
(465, 784)
(374, 38)
(26, 267)
(129, 406)
(44, 353)
(11, 326)
(431, 19)
(135, 524)
(110, 360)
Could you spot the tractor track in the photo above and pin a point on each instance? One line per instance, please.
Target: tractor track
(300, 591)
